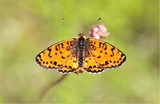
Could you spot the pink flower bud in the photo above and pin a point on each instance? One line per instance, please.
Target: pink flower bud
(98, 31)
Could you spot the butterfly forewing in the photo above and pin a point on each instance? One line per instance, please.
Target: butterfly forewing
(105, 54)
(57, 55)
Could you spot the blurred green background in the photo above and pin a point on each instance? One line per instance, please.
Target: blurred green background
(29, 26)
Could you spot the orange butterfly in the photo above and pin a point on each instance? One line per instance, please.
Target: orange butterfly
(80, 55)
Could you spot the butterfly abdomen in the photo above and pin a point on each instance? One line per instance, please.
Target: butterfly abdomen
(81, 53)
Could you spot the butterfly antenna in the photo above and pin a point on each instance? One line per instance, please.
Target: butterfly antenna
(69, 24)
(94, 23)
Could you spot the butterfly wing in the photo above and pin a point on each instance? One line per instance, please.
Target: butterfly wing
(102, 56)
(70, 66)
(91, 65)
(57, 56)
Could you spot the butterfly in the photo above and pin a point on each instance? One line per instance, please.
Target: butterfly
(81, 55)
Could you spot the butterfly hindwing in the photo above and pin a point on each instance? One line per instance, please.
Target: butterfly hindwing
(70, 66)
(91, 65)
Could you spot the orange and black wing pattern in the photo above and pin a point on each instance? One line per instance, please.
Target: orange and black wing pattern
(58, 56)
(102, 56)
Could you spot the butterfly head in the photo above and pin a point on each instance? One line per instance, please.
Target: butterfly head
(81, 33)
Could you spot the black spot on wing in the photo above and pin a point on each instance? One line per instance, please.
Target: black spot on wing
(106, 63)
(55, 63)
(63, 57)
